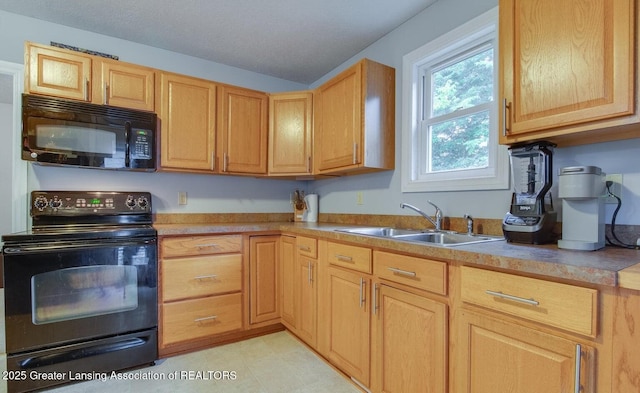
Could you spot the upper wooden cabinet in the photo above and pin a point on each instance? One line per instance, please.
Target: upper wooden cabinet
(78, 76)
(187, 117)
(290, 133)
(242, 130)
(354, 121)
(124, 85)
(567, 70)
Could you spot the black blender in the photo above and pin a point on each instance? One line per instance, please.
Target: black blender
(531, 218)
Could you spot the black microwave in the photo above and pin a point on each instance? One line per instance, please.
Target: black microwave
(80, 134)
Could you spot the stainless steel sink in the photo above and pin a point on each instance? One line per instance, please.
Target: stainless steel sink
(380, 231)
(447, 239)
(442, 238)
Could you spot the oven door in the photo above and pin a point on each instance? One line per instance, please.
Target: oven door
(61, 293)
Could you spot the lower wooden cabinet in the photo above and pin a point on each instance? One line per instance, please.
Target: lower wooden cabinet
(263, 279)
(199, 318)
(499, 356)
(409, 342)
(347, 324)
(201, 291)
(307, 298)
(287, 282)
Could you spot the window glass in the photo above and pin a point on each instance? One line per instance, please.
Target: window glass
(450, 138)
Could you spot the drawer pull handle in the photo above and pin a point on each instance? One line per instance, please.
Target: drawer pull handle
(214, 245)
(344, 258)
(376, 290)
(304, 248)
(204, 319)
(362, 289)
(531, 302)
(401, 272)
(209, 276)
(577, 387)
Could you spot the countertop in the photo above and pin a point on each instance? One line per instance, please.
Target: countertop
(609, 266)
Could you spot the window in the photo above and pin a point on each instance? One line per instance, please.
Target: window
(449, 140)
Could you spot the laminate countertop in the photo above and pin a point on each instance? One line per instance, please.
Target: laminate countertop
(610, 266)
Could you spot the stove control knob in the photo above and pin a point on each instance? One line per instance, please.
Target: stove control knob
(56, 203)
(130, 202)
(143, 203)
(40, 203)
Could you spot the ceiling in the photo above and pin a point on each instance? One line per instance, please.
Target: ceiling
(296, 40)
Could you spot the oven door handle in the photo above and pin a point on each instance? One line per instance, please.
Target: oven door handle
(57, 246)
(101, 349)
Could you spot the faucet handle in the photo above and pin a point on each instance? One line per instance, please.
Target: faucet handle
(438, 210)
(469, 224)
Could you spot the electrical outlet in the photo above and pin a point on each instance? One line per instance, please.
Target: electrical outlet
(616, 188)
(182, 197)
(359, 198)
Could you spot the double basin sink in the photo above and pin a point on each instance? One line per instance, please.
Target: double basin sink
(441, 238)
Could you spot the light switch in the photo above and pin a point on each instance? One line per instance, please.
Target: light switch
(182, 197)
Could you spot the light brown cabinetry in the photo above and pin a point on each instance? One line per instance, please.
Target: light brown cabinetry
(306, 290)
(564, 306)
(504, 357)
(354, 120)
(242, 130)
(409, 342)
(409, 330)
(78, 76)
(287, 284)
(348, 322)
(496, 353)
(263, 279)
(345, 319)
(124, 85)
(299, 287)
(201, 288)
(187, 117)
(568, 70)
(290, 133)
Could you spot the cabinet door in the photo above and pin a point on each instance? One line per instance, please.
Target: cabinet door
(288, 278)
(565, 63)
(187, 120)
(263, 278)
(409, 342)
(307, 292)
(348, 322)
(243, 130)
(125, 85)
(338, 115)
(58, 73)
(290, 133)
(497, 356)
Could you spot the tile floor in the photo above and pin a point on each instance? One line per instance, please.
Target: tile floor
(276, 363)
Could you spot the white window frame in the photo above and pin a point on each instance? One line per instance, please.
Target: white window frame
(493, 177)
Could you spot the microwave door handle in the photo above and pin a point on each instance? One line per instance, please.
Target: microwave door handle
(127, 134)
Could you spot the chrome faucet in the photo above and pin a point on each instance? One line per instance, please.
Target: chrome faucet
(469, 224)
(437, 223)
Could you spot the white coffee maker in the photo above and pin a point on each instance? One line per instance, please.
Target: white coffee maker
(581, 189)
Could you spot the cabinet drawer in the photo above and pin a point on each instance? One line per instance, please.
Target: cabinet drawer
(307, 246)
(184, 278)
(416, 272)
(560, 305)
(352, 257)
(200, 245)
(193, 319)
